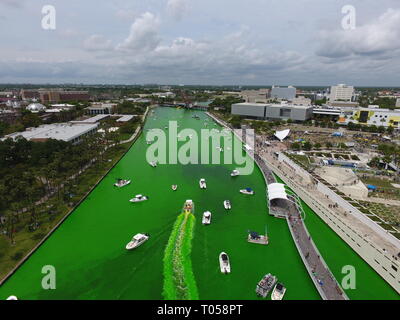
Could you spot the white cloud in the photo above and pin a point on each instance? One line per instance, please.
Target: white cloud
(97, 43)
(143, 35)
(378, 38)
(177, 8)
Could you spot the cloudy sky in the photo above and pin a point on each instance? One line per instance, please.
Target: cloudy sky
(217, 42)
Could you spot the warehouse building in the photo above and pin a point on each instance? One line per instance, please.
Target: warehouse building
(282, 111)
(69, 132)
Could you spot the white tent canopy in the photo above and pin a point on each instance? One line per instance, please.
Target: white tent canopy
(281, 135)
(277, 191)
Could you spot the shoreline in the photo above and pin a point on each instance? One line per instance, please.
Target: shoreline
(131, 140)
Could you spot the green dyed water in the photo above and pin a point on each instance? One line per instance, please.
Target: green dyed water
(88, 250)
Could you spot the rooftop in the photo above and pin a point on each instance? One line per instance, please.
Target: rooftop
(58, 131)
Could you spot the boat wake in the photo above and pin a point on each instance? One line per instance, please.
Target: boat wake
(179, 281)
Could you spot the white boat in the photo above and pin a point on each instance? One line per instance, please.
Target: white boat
(148, 142)
(279, 292)
(153, 163)
(265, 285)
(247, 191)
(122, 183)
(12, 298)
(227, 204)
(235, 173)
(137, 240)
(224, 263)
(174, 187)
(206, 218)
(202, 183)
(139, 198)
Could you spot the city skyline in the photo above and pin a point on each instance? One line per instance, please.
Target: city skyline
(175, 42)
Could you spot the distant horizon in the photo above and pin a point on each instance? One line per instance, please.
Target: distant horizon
(21, 84)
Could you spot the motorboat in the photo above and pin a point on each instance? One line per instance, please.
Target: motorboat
(206, 218)
(265, 285)
(247, 191)
(12, 298)
(278, 292)
(137, 240)
(202, 183)
(153, 163)
(122, 183)
(227, 204)
(224, 263)
(235, 173)
(139, 198)
(188, 207)
(174, 187)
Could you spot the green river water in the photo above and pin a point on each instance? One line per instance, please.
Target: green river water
(88, 249)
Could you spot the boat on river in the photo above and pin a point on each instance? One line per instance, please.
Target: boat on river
(247, 191)
(227, 204)
(278, 292)
(265, 285)
(122, 183)
(137, 240)
(153, 164)
(188, 207)
(139, 198)
(235, 173)
(174, 187)
(206, 218)
(202, 183)
(224, 263)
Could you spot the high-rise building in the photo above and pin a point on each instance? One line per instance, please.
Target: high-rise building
(341, 92)
(283, 93)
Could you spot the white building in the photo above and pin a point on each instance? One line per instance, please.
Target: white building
(264, 111)
(283, 93)
(69, 132)
(35, 107)
(341, 92)
(398, 103)
(303, 101)
(371, 116)
(101, 108)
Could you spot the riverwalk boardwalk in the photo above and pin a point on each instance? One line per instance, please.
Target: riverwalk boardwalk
(320, 274)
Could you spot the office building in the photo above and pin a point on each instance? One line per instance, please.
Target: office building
(283, 93)
(273, 111)
(341, 92)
